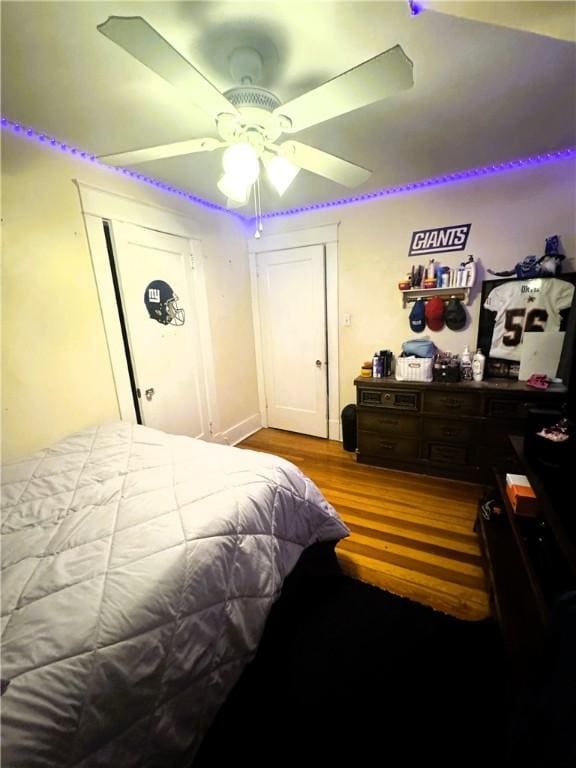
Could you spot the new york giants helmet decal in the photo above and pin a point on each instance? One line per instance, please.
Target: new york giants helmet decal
(161, 303)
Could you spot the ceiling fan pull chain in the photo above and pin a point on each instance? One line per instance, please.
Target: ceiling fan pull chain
(260, 227)
(257, 208)
(256, 233)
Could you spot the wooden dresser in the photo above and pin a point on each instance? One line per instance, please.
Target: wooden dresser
(457, 430)
(531, 561)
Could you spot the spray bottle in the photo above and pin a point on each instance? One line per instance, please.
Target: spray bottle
(466, 365)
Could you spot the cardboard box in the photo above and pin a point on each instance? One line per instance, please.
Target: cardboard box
(521, 495)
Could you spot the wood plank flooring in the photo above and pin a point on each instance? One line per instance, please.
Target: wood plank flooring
(410, 534)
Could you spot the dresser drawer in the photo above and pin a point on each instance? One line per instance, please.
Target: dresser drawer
(442, 453)
(504, 408)
(387, 423)
(371, 444)
(451, 403)
(403, 400)
(450, 430)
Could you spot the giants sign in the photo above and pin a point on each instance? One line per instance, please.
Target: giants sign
(441, 240)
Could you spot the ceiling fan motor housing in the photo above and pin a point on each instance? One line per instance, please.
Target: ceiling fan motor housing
(252, 96)
(256, 115)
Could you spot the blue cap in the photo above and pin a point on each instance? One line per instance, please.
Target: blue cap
(417, 316)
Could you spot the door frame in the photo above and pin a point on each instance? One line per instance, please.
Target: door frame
(326, 235)
(98, 205)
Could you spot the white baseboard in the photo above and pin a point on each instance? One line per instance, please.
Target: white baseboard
(244, 429)
(240, 431)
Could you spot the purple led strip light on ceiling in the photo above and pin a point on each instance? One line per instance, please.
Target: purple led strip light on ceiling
(449, 178)
(415, 7)
(60, 146)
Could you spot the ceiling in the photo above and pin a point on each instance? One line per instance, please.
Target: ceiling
(555, 18)
(483, 93)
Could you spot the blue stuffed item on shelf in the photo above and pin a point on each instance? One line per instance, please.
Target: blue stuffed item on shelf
(418, 348)
(537, 266)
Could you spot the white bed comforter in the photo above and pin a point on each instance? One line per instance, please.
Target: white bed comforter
(138, 571)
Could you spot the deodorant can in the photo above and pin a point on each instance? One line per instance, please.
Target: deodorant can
(386, 357)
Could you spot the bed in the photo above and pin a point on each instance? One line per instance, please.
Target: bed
(139, 569)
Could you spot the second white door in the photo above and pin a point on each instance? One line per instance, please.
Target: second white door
(292, 309)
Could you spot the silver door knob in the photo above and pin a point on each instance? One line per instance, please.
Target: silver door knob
(149, 393)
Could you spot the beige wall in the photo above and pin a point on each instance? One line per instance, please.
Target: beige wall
(511, 215)
(55, 365)
(228, 291)
(56, 374)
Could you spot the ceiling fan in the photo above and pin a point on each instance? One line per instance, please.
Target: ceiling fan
(249, 119)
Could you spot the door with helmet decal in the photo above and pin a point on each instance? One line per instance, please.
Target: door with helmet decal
(155, 277)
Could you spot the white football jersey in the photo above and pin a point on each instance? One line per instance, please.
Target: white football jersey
(524, 306)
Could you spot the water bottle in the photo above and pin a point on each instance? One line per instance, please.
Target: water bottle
(470, 272)
(478, 362)
(376, 366)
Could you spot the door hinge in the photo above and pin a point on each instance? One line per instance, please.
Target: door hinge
(192, 261)
(138, 393)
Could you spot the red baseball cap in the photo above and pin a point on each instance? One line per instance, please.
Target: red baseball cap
(434, 313)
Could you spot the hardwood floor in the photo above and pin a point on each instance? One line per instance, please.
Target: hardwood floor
(410, 534)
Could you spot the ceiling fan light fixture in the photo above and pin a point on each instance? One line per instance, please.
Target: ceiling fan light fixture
(250, 118)
(240, 162)
(281, 172)
(235, 188)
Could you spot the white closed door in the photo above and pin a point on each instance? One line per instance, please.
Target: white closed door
(292, 309)
(156, 280)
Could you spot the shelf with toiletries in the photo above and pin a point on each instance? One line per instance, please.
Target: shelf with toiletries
(436, 280)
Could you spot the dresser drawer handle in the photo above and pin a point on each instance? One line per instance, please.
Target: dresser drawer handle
(387, 396)
(451, 402)
(391, 422)
(389, 446)
(447, 450)
(450, 432)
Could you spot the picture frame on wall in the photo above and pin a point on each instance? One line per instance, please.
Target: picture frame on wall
(512, 307)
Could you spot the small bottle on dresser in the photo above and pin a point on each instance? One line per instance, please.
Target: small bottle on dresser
(478, 365)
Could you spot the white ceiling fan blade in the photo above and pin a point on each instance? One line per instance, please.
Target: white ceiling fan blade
(160, 152)
(324, 164)
(136, 36)
(375, 79)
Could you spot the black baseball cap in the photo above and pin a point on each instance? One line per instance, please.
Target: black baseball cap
(455, 316)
